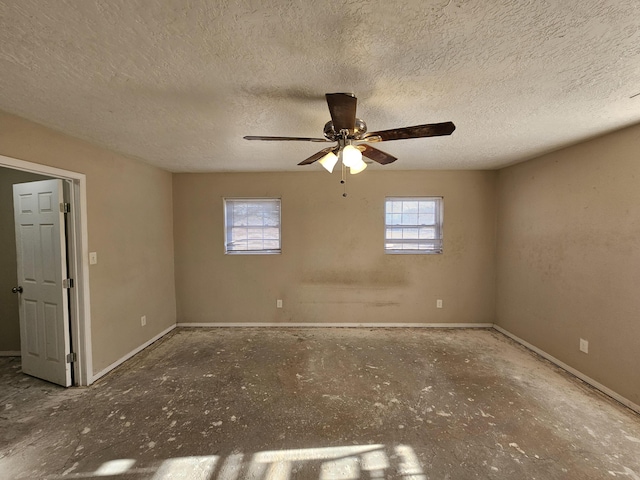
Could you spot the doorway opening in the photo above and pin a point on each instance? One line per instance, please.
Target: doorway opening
(77, 261)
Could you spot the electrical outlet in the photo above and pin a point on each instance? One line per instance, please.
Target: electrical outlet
(93, 258)
(439, 303)
(584, 345)
(143, 320)
(278, 303)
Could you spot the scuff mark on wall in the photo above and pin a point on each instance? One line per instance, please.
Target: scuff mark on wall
(387, 273)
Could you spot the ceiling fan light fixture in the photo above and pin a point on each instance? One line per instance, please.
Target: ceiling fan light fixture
(360, 166)
(351, 156)
(329, 161)
(345, 128)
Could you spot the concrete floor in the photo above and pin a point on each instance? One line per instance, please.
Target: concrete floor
(319, 404)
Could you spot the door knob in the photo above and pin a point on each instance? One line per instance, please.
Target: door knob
(16, 289)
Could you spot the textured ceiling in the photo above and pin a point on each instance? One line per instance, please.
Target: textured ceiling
(178, 83)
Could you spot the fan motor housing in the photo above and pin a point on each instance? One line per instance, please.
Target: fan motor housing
(359, 129)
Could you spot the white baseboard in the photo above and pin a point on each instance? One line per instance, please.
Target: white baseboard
(340, 325)
(571, 370)
(11, 353)
(119, 362)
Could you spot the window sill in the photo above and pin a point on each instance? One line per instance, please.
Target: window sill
(413, 252)
(253, 253)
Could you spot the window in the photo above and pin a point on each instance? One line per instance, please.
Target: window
(413, 225)
(252, 225)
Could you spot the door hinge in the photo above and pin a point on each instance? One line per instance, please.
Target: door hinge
(65, 207)
(67, 283)
(72, 357)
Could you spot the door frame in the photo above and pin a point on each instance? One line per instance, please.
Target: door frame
(78, 247)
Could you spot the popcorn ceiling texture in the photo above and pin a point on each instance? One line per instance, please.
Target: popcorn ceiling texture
(178, 84)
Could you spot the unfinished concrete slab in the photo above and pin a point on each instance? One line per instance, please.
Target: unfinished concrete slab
(330, 403)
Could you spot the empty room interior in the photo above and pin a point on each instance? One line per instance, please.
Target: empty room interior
(320, 240)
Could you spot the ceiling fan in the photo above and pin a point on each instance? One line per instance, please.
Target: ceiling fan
(345, 129)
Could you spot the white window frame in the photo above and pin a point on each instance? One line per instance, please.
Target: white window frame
(424, 246)
(228, 229)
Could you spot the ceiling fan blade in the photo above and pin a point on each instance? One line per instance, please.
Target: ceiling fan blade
(342, 107)
(286, 139)
(376, 155)
(317, 156)
(417, 131)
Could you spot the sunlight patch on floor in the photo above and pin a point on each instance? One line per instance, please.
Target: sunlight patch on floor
(335, 463)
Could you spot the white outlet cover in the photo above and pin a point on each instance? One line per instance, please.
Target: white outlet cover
(93, 258)
(584, 345)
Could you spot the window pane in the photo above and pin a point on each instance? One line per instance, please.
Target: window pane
(427, 232)
(426, 219)
(238, 234)
(396, 207)
(394, 233)
(254, 220)
(271, 233)
(239, 245)
(427, 207)
(239, 216)
(254, 233)
(271, 219)
(411, 233)
(410, 219)
(254, 244)
(271, 245)
(409, 207)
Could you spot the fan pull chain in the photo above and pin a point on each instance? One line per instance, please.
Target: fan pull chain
(344, 180)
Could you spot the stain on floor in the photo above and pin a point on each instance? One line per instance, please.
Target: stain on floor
(330, 403)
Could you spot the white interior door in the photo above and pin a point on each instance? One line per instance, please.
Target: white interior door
(42, 267)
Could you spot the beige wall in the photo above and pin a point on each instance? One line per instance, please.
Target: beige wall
(569, 257)
(130, 226)
(9, 321)
(333, 268)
